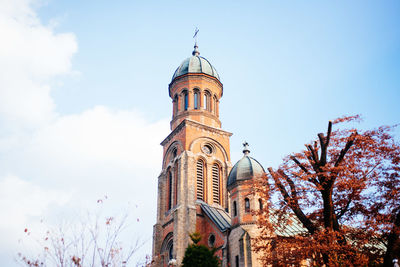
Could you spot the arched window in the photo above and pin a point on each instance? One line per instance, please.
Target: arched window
(211, 240)
(260, 204)
(246, 205)
(185, 100)
(207, 97)
(215, 183)
(234, 209)
(170, 250)
(167, 249)
(196, 98)
(200, 180)
(176, 104)
(169, 200)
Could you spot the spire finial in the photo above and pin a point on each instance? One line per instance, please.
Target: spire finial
(246, 150)
(195, 51)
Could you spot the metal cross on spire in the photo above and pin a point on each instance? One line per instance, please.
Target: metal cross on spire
(246, 148)
(195, 51)
(195, 35)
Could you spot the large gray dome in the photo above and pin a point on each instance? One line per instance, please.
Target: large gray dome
(195, 64)
(245, 169)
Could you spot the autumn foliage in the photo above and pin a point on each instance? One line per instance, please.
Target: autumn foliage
(344, 191)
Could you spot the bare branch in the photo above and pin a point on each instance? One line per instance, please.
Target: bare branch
(344, 210)
(350, 142)
(299, 164)
(293, 201)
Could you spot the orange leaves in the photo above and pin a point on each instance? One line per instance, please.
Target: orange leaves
(355, 118)
(347, 186)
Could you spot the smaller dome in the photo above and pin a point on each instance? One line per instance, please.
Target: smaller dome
(195, 64)
(245, 169)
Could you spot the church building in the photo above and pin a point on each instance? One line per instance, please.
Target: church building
(198, 189)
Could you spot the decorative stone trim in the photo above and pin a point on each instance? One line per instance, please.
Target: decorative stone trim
(203, 112)
(194, 124)
(165, 224)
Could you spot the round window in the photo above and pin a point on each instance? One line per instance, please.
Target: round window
(207, 149)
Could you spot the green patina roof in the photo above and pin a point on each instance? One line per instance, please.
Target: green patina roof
(195, 64)
(245, 169)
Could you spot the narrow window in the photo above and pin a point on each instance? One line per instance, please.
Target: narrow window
(186, 100)
(211, 240)
(215, 183)
(196, 99)
(234, 209)
(260, 204)
(207, 97)
(176, 183)
(200, 180)
(169, 201)
(176, 105)
(246, 205)
(237, 260)
(170, 250)
(215, 105)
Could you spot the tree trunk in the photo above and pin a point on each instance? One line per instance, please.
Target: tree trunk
(393, 242)
(328, 209)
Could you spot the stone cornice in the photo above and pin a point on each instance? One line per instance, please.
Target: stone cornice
(195, 112)
(193, 124)
(168, 222)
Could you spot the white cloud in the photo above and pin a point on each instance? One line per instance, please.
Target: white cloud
(30, 55)
(22, 204)
(61, 164)
(101, 135)
(20, 200)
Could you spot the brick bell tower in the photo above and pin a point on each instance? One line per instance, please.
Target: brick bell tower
(196, 159)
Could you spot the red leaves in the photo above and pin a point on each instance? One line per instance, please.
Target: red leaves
(346, 185)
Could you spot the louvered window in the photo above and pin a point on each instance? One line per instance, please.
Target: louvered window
(215, 183)
(200, 180)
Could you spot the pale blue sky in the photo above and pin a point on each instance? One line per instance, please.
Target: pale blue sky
(287, 68)
(84, 92)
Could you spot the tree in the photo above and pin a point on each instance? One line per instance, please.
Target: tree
(344, 190)
(94, 241)
(199, 255)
